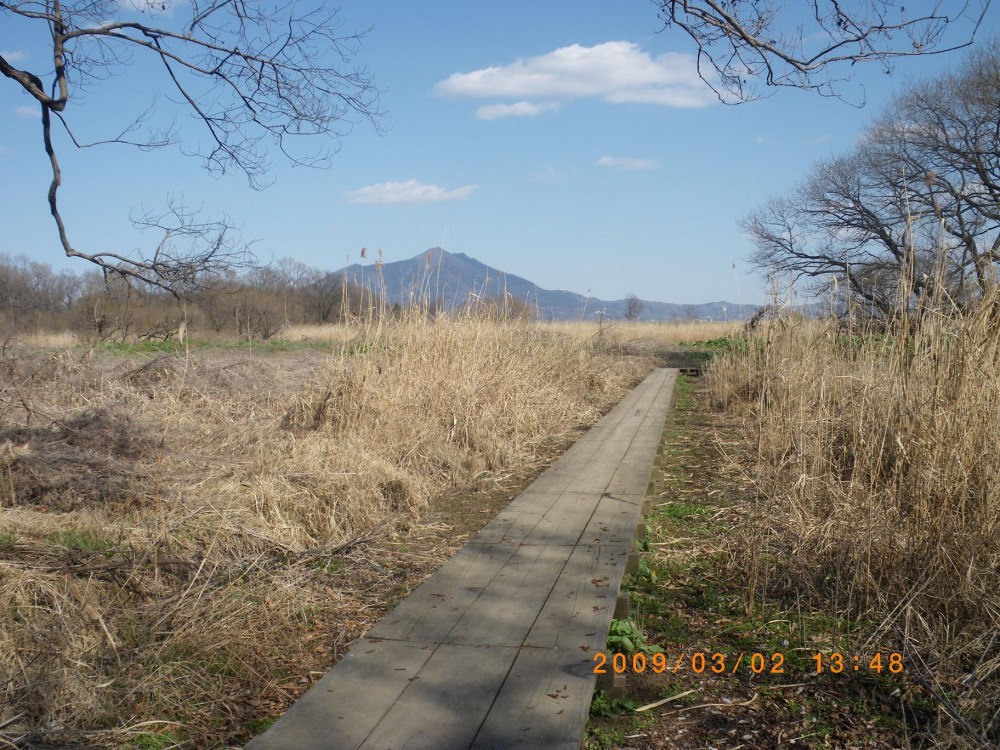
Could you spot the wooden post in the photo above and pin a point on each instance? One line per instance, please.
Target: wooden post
(632, 566)
(622, 605)
(640, 533)
(612, 684)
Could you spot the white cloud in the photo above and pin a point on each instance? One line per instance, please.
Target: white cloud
(519, 109)
(12, 56)
(627, 163)
(616, 72)
(759, 139)
(28, 112)
(408, 191)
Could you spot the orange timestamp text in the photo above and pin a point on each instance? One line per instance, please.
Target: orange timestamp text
(701, 662)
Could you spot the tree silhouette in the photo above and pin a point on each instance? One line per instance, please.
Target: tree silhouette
(633, 307)
(913, 209)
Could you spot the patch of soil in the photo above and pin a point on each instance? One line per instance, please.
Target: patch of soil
(71, 463)
(681, 357)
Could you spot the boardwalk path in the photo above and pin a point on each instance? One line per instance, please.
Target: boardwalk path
(495, 650)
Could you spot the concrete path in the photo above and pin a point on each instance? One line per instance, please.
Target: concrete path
(496, 649)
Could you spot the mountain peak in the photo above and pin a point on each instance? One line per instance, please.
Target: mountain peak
(453, 279)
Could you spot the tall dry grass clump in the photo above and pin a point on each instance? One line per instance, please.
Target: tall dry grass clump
(878, 478)
(451, 400)
(183, 538)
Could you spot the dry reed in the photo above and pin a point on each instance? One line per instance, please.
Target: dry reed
(878, 481)
(45, 340)
(620, 333)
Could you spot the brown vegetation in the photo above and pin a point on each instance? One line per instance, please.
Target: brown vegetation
(877, 499)
(256, 304)
(186, 541)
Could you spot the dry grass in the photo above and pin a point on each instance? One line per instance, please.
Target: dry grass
(333, 333)
(182, 538)
(878, 481)
(615, 333)
(623, 333)
(45, 340)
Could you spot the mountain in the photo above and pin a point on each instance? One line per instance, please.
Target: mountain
(455, 278)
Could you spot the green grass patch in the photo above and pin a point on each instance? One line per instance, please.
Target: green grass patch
(683, 396)
(708, 349)
(612, 720)
(667, 627)
(141, 347)
(86, 541)
(155, 740)
(602, 705)
(682, 511)
(255, 727)
(269, 346)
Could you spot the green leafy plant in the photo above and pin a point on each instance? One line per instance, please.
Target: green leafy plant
(626, 637)
(603, 705)
(647, 571)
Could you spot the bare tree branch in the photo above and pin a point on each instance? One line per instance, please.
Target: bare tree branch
(254, 76)
(913, 209)
(813, 44)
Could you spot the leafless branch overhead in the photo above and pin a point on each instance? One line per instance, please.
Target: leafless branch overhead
(813, 44)
(254, 76)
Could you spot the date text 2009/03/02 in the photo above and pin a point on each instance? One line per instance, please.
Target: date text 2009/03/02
(701, 662)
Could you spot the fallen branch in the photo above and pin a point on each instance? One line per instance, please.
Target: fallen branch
(665, 700)
(715, 705)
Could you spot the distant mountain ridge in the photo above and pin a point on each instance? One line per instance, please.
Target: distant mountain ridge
(454, 279)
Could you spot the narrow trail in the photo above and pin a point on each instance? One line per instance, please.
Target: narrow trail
(496, 649)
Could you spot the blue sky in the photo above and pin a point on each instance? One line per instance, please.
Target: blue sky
(569, 143)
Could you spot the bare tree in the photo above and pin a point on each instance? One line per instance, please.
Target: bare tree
(252, 76)
(946, 133)
(913, 209)
(814, 44)
(633, 307)
(843, 223)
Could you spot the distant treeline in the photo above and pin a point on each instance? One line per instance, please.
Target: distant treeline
(256, 303)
